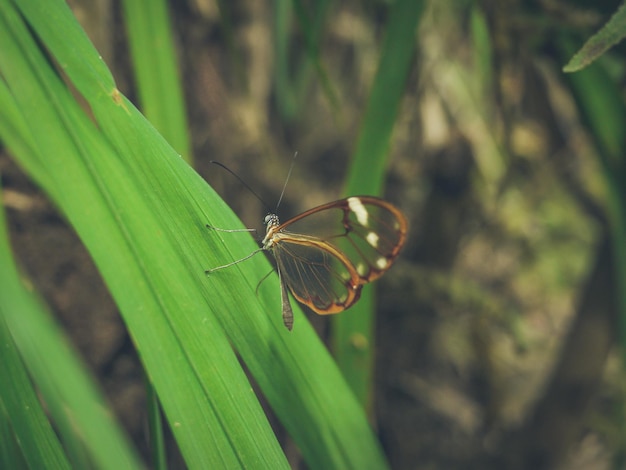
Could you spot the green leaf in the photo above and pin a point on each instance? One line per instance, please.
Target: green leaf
(156, 71)
(610, 34)
(595, 92)
(141, 212)
(109, 196)
(38, 444)
(353, 338)
(88, 433)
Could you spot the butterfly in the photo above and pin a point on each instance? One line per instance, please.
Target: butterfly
(356, 241)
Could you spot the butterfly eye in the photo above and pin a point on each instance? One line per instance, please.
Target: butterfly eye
(270, 220)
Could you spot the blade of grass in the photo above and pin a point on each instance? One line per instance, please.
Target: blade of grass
(597, 96)
(595, 92)
(161, 97)
(38, 444)
(156, 70)
(10, 453)
(102, 201)
(141, 212)
(312, 25)
(293, 76)
(155, 427)
(285, 93)
(353, 339)
(609, 35)
(73, 402)
(482, 52)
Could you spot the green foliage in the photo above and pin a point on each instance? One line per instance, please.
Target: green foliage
(141, 212)
(520, 244)
(596, 92)
(156, 71)
(22, 414)
(609, 35)
(78, 411)
(353, 339)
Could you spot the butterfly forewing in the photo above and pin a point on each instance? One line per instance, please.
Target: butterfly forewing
(368, 231)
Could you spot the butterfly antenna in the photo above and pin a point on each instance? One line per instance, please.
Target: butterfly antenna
(293, 162)
(243, 182)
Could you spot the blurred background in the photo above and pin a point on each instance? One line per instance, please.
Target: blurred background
(496, 329)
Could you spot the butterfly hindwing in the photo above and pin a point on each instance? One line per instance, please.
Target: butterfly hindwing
(317, 274)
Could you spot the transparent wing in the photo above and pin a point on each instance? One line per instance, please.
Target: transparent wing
(368, 231)
(316, 274)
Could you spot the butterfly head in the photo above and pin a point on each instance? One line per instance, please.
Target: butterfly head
(271, 220)
(271, 223)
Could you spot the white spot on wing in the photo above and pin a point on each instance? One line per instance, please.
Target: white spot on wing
(382, 263)
(361, 269)
(372, 238)
(359, 210)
